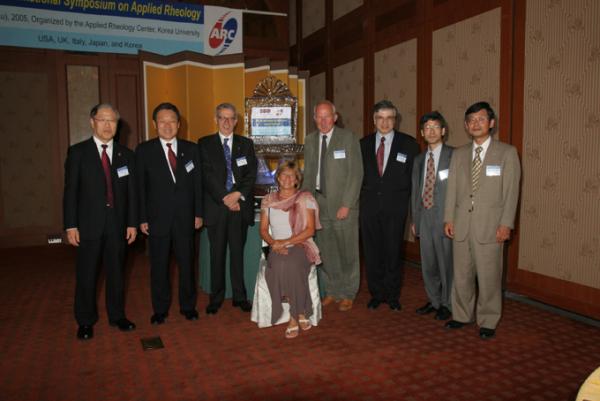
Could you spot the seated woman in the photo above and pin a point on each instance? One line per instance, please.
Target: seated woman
(292, 217)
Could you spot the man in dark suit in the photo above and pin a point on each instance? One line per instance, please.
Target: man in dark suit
(384, 198)
(170, 192)
(99, 216)
(480, 208)
(229, 171)
(429, 182)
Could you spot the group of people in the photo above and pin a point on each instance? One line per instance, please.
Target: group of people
(168, 188)
(463, 203)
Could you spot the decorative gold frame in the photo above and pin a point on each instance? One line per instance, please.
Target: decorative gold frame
(271, 92)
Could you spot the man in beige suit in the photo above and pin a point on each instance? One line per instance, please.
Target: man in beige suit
(333, 173)
(483, 191)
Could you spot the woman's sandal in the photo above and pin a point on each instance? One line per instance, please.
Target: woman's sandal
(291, 332)
(304, 324)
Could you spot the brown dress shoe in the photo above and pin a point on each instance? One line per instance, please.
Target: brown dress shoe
(328, 300)
(345, 305)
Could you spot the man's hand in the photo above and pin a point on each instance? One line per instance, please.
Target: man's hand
(144, 228)
(342, 213)
(449, 230)
(235, 207)
(73, 236)
(413, 229)
(232, 199)
(502, 233)
(197, 222)
(131, 234)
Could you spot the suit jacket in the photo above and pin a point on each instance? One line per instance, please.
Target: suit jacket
(84, 201)
(439, 189)
(343, 176)
(494, 203)
(244, 169)
(163, 203)
(391, 192)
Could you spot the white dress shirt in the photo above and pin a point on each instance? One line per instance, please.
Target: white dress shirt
(437, 152)
(389, 138)
(485, 147)
(109, 148)
(230, 146)
(328, 136)
(166, 150)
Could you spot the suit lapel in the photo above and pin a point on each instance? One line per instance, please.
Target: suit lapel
(94, 156)
(161, 159)
(371, 151)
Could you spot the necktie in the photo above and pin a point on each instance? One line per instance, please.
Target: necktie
(322, 164)
(172, 158)
(380, 154)
(227, 153)
(107, 177)
(476, 170)
(429, 182)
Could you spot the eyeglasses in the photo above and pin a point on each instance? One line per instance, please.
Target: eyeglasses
(380, 118)
(431, 127)
(105, 121)
(230, 119)
(473, 120)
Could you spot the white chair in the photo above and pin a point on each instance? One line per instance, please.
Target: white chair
(261, 306)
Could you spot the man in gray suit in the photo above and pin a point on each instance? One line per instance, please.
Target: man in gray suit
(429, 183)
(481, 202)
(333, 172)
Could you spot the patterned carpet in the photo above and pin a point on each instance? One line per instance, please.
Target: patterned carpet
(357, 355)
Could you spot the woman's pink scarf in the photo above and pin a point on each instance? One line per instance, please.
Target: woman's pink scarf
(297, 206)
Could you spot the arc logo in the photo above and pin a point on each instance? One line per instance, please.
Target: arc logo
(222, 34)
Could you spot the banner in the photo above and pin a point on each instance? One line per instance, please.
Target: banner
(120, 26)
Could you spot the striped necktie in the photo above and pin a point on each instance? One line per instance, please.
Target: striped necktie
(476, 170)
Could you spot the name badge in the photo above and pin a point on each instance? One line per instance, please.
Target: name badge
(339, 154)
(493, 171)
(443, 174)
(401, 157)
(122, 171)
(241, 161)
(189, 166)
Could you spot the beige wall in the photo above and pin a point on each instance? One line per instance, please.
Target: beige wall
(560, 206)
(466, 69)
(396, 80)
(343, 7)
(313, 16)
(26, 177)
(348, 96)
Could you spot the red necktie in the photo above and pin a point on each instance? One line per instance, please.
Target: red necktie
(380, 154)
(107, 177)
(429, 182)
(172, 158)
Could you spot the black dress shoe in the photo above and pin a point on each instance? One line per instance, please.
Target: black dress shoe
(212, 309)
(427, 308)
(443, 313)
(486, 334)
(374, 303)
(190, 314)
(123, 324)
(394, 305)
(85, 332)
(454, 324)
(158, 318)
(243, 305)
